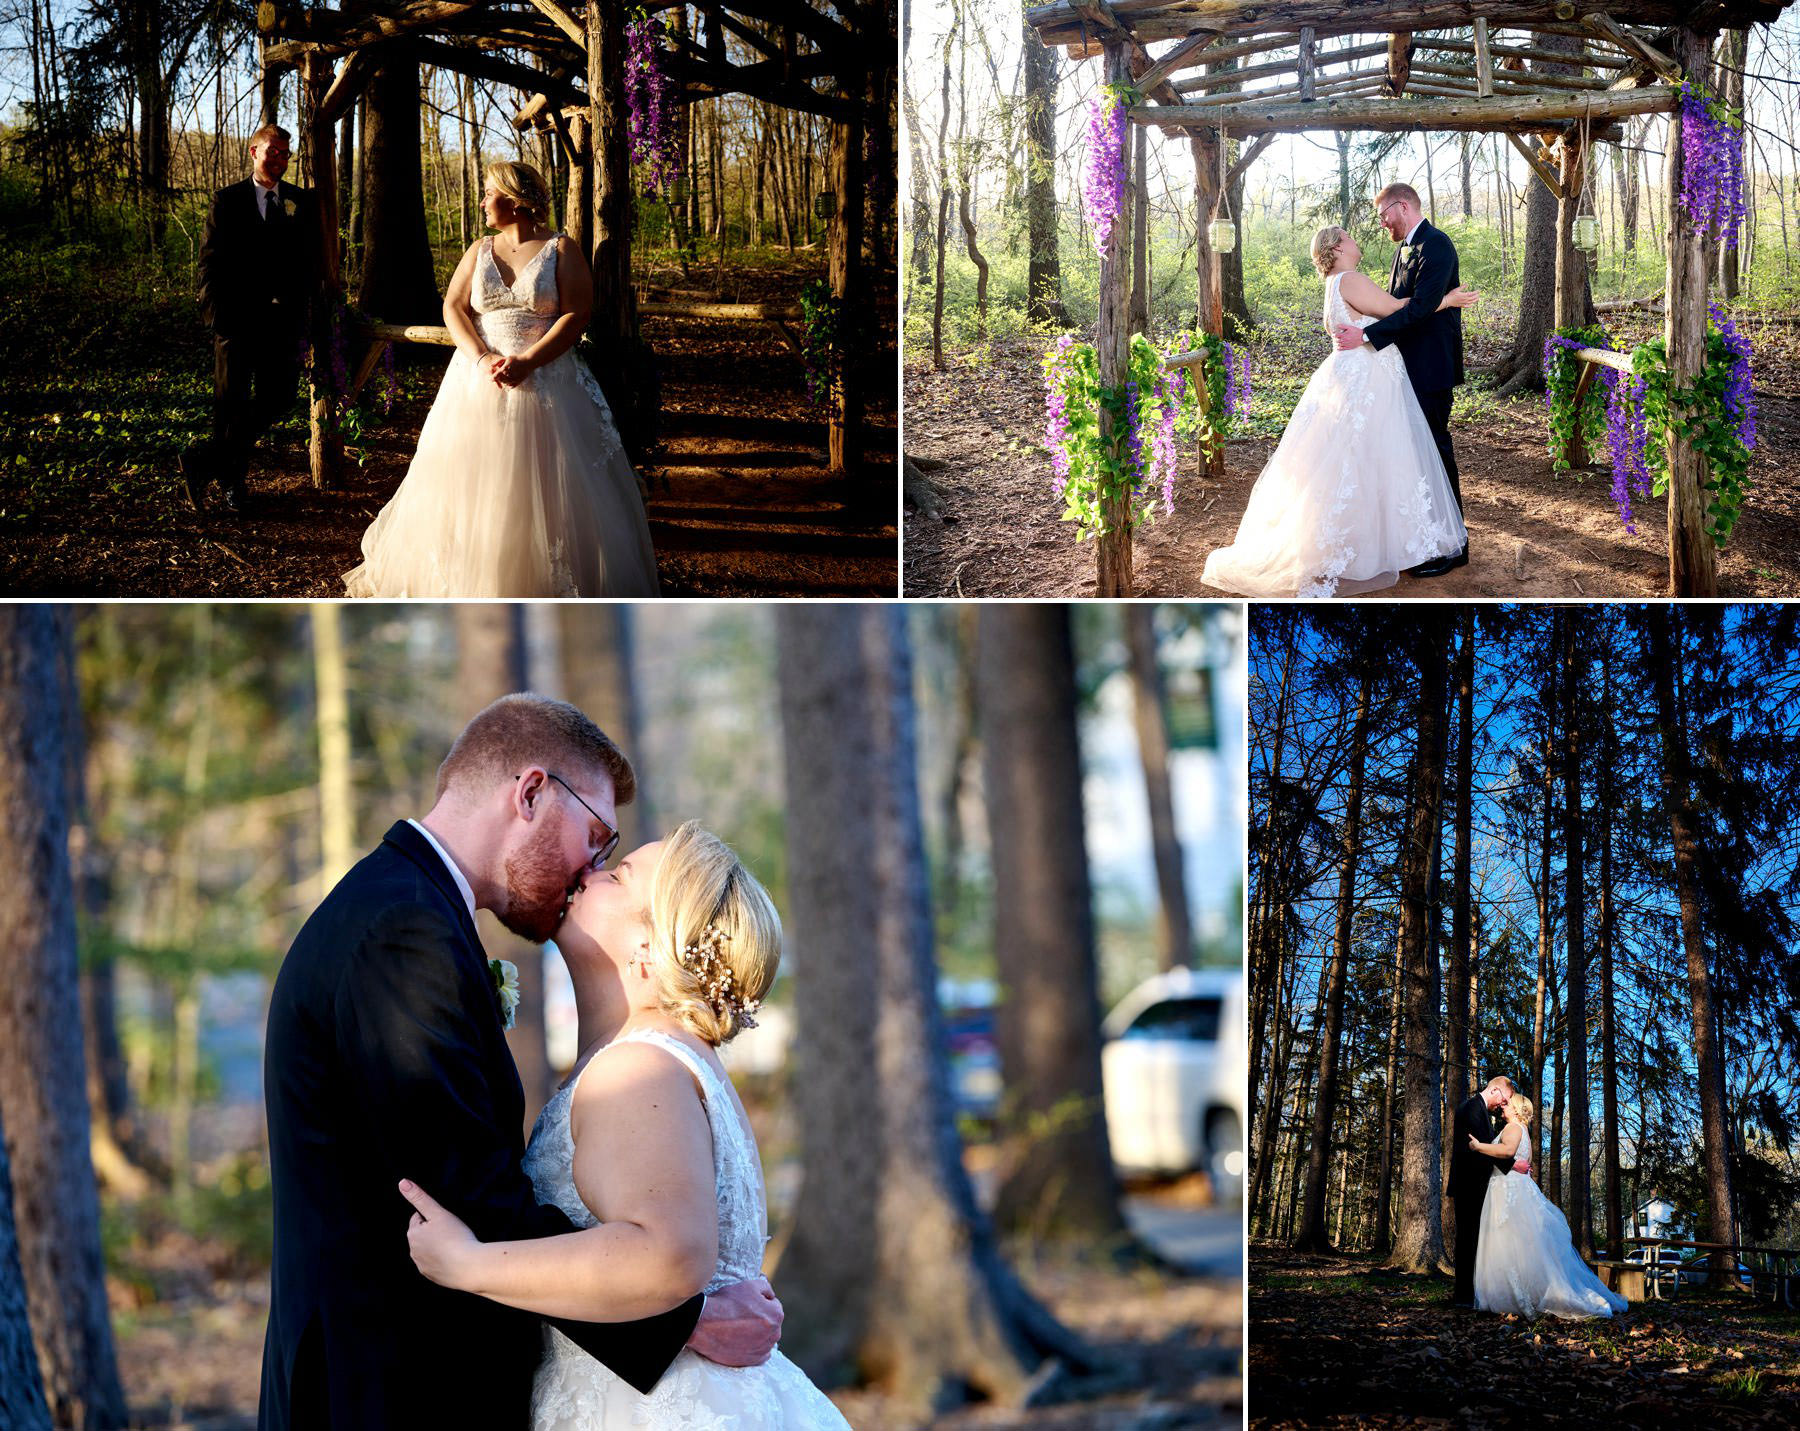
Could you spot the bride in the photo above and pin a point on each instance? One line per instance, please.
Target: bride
(1356, 491)
(520, 485)
(1525, 1262)
(646, 1147)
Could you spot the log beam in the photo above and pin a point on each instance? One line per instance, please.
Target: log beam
(1589, 59)
(1184, 54)
(1610, 29)
(1399, 61)
(1484, 62)
(1308, 65)
(1112, 549)
(1284, 67)
(1519, 114)
(1693, 559)
(1538, 166)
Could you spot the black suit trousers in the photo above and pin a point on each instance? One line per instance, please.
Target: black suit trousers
(1436, 407)
(1468, 1238)
(255, 378)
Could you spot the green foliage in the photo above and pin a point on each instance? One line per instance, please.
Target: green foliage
(822, 349)
(1099, 459)
(1562, 375)
(1699, 414)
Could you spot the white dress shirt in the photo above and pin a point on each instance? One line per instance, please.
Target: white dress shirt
(462, 882)
(265, 196)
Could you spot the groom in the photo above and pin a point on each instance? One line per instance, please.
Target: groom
(1468, 1183)
(260, 260)
(1425, 269)
(386, 1056)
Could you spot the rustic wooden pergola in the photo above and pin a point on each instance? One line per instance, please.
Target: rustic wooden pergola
(1632, 60)
(572, 63)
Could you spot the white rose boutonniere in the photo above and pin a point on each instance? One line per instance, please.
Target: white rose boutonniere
(289, 207)
(1406, 254)
(506, 984)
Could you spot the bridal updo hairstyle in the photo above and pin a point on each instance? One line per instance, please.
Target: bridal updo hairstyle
(1521, 1108)
(523, 185)
(1325, 246)
(715, 938)
(526, 729)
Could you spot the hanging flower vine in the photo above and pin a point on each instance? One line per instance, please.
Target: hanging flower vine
(1103, 183)
(1712, 164)
(651, 98)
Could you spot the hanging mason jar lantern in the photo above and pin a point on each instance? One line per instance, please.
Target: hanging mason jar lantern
(1587, 232)
(825, 204)
(1223, 230)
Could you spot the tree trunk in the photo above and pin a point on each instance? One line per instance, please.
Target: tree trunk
(337, 788)
(844, 433)
(891, 1274)
(1574, 668)
(1382, 1241)
(621, 364)
(21, 1386)
(977, 258)
(1324, 1109)
(597, 648)
(1734, 49)
(1665, 649)
(1061, 1183)
(1138, 320)
(1418, 1245)
(1175, 938)
(56, 1206)
(398, 283)
(1609, 1062)
(1043, 273)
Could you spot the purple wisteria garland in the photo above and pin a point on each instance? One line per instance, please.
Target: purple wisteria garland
(1056, 410)
(1740, 399)
(1626, 440)
(1103, 183)
(1712, 165)
(651, 99)
(1169, 392)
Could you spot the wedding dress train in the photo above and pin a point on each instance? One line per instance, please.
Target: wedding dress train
(523, 491)
(576, 1393)
(1525, 1261)
(1355, 492)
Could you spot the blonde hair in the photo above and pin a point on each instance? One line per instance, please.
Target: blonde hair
(1521, 1108)
(523, 185)
(1325, 246)
(715, 938)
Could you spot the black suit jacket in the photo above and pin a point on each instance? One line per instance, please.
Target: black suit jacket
(1469, 1169)
(1430, 342)
(386, 1059)
(259, 275)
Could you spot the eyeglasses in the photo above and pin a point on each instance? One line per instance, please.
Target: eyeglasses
(598, 862)
(1381, 218)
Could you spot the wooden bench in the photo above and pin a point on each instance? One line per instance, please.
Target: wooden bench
(1762, 1271)
(1622, 1277)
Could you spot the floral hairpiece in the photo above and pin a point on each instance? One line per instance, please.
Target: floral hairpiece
(705, 960)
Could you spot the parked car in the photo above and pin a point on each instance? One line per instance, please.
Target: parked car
(1174, 1066)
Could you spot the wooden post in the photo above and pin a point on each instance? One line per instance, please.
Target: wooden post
(1210, 317)
(1399, 61)
(1112, 553)
(845, 239)
(1484, 64)
(1693, 559)
(1140, 229)
(325, 445)
(578, 209)
(1568, 276)
(614, 322)
(1308, 63)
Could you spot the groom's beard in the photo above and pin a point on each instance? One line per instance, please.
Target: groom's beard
(537, 887)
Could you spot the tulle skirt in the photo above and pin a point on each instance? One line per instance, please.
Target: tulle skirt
(576, 1393)
(1354, 494)
(518, 492)
(1525, 1262)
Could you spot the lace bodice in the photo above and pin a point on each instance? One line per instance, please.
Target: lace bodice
(1338, 312)
(737, 1172)
(513, 316)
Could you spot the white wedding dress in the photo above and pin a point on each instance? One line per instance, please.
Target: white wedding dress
(1355, 492)
(523, 491)
(1525, 1261)
(576, 1393)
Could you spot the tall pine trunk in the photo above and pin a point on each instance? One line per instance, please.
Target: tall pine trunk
(1175, 937)
(43, 1088)
(1574, 667)
(1043, 271)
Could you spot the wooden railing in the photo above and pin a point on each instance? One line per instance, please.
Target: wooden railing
(1762, 1271)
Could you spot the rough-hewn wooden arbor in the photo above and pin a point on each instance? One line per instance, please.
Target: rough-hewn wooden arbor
(1413, 65)
(571, 60)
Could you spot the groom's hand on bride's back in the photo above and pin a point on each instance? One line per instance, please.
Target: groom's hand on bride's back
(740, 1324)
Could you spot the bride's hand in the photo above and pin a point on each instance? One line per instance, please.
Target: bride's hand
(442, 1245)
(1461, 298)
(1474, 1142)
(512, 370)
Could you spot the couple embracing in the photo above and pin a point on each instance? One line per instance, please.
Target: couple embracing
(430, 1268)
(1514, 1255)
(520, 485)
(1363, 485)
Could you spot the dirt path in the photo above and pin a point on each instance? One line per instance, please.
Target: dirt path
(738, 506)
(1532, 533)
(1335, 1341)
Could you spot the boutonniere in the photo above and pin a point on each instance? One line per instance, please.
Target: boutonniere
(1406, 254)
(289, 207)
(505, 975)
